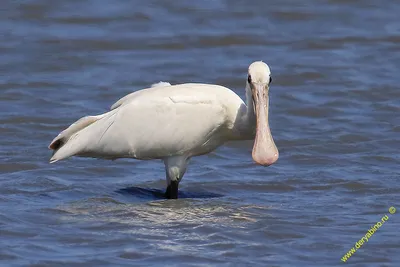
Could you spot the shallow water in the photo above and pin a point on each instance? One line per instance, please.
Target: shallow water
(334, 116)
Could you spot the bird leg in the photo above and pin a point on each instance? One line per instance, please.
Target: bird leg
(175, 168)
(172, 190)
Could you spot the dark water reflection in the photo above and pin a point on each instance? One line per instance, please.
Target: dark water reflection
(334, 117)
(153, 194)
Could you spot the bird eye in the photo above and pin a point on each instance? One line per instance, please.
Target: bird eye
(249, 79)
(270, 80)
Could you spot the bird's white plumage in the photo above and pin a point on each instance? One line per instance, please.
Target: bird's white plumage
(189, 119)
(160, 84)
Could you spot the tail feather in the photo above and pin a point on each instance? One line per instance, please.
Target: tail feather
(60, 144)
(72, 141)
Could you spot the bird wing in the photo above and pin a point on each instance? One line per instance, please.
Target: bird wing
(155, 123)
(151, 125)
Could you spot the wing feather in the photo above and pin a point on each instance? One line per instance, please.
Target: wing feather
(159, 128)
(159, 122)
(130, 96)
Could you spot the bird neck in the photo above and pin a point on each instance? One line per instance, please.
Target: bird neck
(246, 127)
(250, 116)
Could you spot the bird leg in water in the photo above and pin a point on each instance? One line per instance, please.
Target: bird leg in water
(172, 190)
(175, 168)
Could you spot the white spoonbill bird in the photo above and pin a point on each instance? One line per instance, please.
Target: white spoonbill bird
(174, 123)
